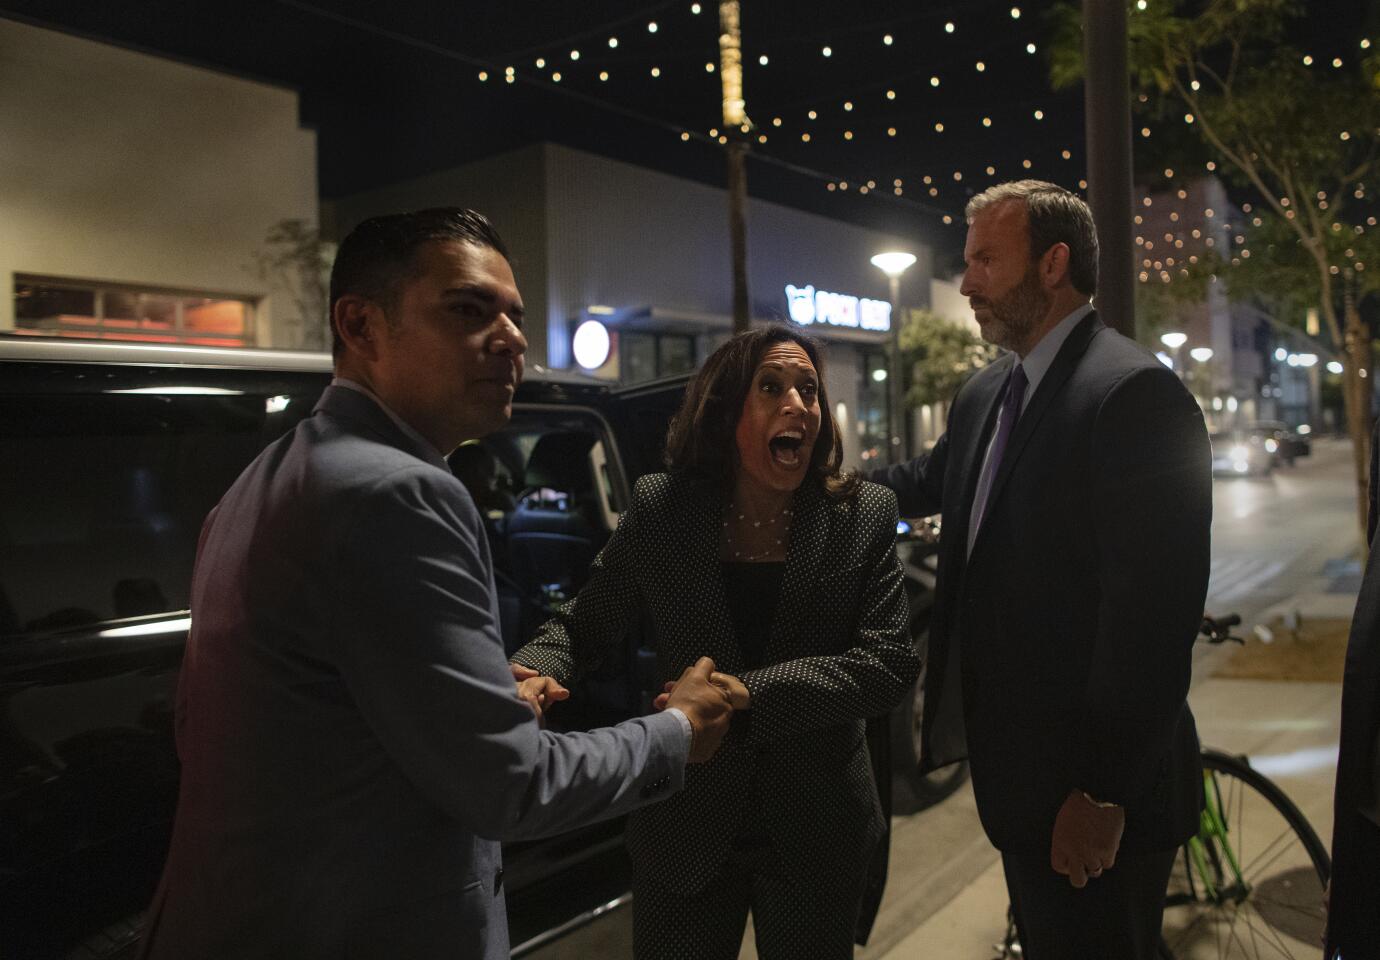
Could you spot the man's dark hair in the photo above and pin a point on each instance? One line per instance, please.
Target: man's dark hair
(380, 254)
(702, 439)
(1056, 216)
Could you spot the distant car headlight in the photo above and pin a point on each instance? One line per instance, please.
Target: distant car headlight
(1271, 445)
(1239, 453)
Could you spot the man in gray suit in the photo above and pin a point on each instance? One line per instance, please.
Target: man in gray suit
(352, 741)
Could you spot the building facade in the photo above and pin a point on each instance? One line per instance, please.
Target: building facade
(138, 193)
(637, 262)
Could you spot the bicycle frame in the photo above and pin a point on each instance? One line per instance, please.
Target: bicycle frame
(1212, 843)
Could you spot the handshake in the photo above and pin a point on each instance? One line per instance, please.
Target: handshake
(706, 697)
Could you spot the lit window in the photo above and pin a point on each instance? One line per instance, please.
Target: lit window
(48, 307)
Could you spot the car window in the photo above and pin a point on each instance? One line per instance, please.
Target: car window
(545, 490)
(103, 496)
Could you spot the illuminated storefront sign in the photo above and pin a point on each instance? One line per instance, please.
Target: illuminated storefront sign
(810, 306)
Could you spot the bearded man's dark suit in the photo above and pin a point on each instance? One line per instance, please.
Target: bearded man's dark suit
(1354, 911)
(1060, 644)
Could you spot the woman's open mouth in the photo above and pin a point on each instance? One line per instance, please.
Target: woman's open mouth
(785, 448)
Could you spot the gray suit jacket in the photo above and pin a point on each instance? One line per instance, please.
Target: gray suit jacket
(351, 742)
(838, 652)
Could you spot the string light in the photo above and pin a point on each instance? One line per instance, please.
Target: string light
(848, 134)
(1026, 164)
(613, 43)
(656, 71)
(804, 138)
(1336, 62)
(574, 54)
(891, 131)
(603, 76)
(1365, 43)
(887, 39)
(949, 27)
(1307, 60)
(1145, 131)
(934, 81)
(812, 115)
(1195, 85)
(483, 76)
(1030, 48)
(709, 67)
(556, 77)
(1066, 155)
(1039, 114)
(763, 60)
(980, 66)
(986, 121)
(848, 105)
(776, 121)
(695, 9)
(891, 94)
(1188, 118)
(685, 136)
(1015, 13)
(939, 128)
(1211, 166)
(991, 171)
(828, 51)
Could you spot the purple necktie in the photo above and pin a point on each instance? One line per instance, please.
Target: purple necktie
(1010, 411)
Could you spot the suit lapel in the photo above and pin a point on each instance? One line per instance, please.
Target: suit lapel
(987, 402)
(810, 522)
(1053, 381)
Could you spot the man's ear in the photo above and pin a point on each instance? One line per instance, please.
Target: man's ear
(1054, 266)
(359, 323)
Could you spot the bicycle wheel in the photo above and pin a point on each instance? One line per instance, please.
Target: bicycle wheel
(1250, 885)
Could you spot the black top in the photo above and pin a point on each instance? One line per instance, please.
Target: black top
(752, 590)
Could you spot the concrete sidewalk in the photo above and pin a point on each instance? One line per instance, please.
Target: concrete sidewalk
(1289, 730)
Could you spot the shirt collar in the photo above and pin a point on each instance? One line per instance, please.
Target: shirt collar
(1037, 363)
(398, 421)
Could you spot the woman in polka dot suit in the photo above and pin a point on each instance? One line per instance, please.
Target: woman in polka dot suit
(754, 550)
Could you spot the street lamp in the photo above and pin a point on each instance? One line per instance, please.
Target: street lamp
(1174, 340)
(1201, 354)
(893, 264)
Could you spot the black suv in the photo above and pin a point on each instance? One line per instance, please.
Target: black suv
(111, 455)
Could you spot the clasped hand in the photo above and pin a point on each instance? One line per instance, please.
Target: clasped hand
(1086, 838)
(707, 699)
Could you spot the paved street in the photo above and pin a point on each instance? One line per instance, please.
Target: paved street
(1276, 540)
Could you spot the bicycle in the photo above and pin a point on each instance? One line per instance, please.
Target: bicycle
(1250, 883)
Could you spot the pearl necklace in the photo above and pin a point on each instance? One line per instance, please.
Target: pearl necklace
(745, 557)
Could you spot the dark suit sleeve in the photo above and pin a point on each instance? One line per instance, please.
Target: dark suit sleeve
(586, 629)
(1151, 512)
(868, 679)
(918, 483)
(421, 656)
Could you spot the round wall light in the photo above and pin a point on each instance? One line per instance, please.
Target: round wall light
(591, 344)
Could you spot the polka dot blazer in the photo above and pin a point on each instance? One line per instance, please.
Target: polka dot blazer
(838, 652)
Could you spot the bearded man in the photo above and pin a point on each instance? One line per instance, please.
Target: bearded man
(1075, 482)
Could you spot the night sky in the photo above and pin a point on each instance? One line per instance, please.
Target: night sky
(395, 91)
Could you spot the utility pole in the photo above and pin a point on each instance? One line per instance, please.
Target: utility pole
(1107, 105)
(736, 129)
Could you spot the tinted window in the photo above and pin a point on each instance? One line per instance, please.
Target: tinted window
(102, 496)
